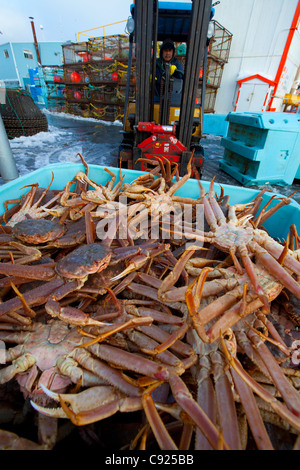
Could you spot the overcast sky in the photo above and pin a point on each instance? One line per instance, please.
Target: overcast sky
(60, 20)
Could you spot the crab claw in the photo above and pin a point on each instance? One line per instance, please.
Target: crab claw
(89, 406)
(52, 412)
(126, 271)
(135, 264)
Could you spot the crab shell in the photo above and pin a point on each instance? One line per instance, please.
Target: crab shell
(38, 231)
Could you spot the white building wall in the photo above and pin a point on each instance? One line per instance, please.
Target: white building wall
(260, 29)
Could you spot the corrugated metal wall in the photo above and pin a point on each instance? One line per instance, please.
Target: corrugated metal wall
(260, 30)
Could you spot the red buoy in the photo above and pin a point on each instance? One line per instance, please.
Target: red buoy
(75, 77)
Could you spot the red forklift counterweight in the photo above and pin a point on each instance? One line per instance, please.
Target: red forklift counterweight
(169, 125)
(162, 143)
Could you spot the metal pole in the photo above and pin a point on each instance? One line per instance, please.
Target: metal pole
(204, 78)
(8, 168)
(154, 42)
(128, 77)
(201, 10)
(35, 41)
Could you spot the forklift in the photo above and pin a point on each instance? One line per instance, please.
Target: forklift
(169, 126)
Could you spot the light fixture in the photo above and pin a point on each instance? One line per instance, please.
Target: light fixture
(211, 30)
(130, 25)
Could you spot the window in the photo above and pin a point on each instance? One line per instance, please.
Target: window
(28, 54)
(6, 54)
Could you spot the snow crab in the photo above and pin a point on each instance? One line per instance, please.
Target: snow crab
(249, 248)
(154, 203)
(100, 194)
(31, 206)
(51, 356)
(72, 269)
(180, 329)
(42, 358)
(222, 391)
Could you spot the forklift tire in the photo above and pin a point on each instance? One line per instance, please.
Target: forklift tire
(125, 157)
(198, 160)
(137, 153)
(185, 157)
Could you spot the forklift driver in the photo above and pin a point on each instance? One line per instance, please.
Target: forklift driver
(167, 56)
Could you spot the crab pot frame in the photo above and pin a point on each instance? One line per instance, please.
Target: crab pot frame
(102, 65)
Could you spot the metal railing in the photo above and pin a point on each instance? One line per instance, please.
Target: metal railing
(83, 33)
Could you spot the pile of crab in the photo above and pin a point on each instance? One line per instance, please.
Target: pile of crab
(185, 337)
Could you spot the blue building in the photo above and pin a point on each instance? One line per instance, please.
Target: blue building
(16, 58)
(19, 67)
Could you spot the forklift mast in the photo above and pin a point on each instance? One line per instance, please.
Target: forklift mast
(154, 21)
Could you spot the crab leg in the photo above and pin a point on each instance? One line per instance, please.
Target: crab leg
(226, 406)
(269, 325)
(157, 315)
(264, 215)
(185, 400)
(255, 204)
(101, 412)
(43, 273)
(294, 238)
(138, 261)
(163, 438)
(33, 254)
(186, 436)
(24, 207)
(253, 276)
(109, 330)
(11, 441)
(275, 249)
(297, 443)
(205, 396)
(21, 364)
(102, 370)
(143, 290)
(196, 319)
(149, 345)
(232, 316)
(220, 217)
(182, 180)
(178, 294)
(10, 212)
(254, 418)
(35, 297)
(247, 348)
(174, 275)
(287, 391)
(70, 368)
(276, 269)
(208, 211)
(233, 313)
(71, 315)
(66, 201)
(277, 406)
(130, 361)
(171, 341)
(220, 305)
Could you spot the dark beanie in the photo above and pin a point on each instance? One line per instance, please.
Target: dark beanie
(167, 44)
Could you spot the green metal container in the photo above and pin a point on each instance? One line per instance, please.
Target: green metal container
(262, 148)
